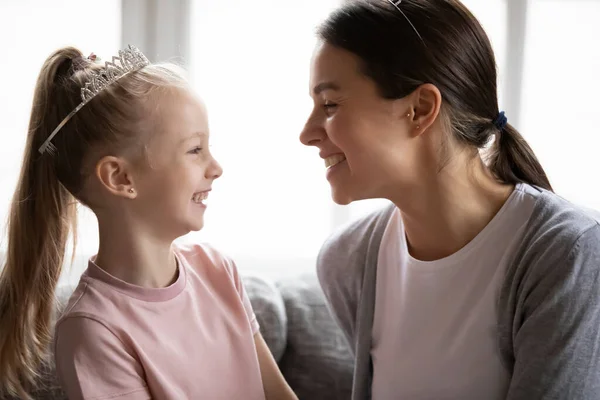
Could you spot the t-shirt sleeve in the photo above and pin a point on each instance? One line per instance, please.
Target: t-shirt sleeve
(93, 363)
(233, 271)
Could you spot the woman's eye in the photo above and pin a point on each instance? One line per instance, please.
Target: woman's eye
(195, 150)
(329, 107)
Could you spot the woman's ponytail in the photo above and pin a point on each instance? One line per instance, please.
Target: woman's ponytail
(513, 161)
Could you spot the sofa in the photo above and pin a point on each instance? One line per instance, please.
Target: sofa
(311, 351)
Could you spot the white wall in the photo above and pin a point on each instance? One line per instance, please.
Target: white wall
(272, 210)
(29, 31)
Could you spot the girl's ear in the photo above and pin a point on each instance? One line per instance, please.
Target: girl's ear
(116, 175)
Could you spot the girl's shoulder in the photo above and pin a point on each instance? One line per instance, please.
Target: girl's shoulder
(205, 260)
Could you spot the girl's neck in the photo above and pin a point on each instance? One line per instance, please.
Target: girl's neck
(134, 258)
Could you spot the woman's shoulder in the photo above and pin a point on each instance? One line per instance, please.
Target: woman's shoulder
(561, 243)
(344, 253)
(549, 299)
(555, 220)
(358, 231)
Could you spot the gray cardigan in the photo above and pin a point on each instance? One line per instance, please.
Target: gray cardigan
(548, 306)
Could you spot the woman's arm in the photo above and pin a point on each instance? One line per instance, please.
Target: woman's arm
(275, 386)
(557, 343)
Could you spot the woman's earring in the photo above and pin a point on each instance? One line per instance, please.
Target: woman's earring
(418, 127)
(131, 190)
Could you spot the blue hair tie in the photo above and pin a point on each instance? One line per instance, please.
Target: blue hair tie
(500, 121)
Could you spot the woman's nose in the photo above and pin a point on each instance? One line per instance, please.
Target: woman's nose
(312, 134)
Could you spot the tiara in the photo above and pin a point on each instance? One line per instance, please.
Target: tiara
(129, 60)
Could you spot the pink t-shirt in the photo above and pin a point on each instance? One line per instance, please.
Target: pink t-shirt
(191, 340)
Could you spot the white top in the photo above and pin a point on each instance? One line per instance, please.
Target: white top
(434, 329)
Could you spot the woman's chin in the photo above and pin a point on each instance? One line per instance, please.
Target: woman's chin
(340, 197)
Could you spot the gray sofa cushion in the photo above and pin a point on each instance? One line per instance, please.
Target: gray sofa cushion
(270, 313)
(317, 362)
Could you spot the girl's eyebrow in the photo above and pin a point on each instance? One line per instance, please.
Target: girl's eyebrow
(200, 134)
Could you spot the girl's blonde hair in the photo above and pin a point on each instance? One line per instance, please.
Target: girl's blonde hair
(43, 210)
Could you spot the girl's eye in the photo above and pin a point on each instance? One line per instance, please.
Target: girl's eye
(195, 150)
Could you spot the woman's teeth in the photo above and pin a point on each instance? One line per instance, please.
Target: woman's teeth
(334, 160)
(200, 197)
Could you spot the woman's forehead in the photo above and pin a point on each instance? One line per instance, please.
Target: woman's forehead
(332, 66)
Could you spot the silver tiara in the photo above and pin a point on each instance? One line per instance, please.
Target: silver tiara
(129, 60)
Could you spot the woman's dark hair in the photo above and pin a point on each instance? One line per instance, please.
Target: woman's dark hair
(439, 42)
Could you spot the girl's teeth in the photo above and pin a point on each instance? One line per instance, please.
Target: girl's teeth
(199, 197)
(334, 160)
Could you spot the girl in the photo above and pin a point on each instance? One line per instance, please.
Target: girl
(478, 282)
(149, 319)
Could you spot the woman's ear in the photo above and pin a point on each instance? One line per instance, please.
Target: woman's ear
(115, 175)
(426, 102)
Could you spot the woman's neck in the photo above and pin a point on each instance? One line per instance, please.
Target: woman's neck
(445, 214)
(135, 258)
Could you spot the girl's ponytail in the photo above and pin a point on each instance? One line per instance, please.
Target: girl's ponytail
(40, 219)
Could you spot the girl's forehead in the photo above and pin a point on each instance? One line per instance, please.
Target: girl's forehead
(182, 112)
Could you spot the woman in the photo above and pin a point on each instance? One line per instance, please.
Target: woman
(478, 282)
